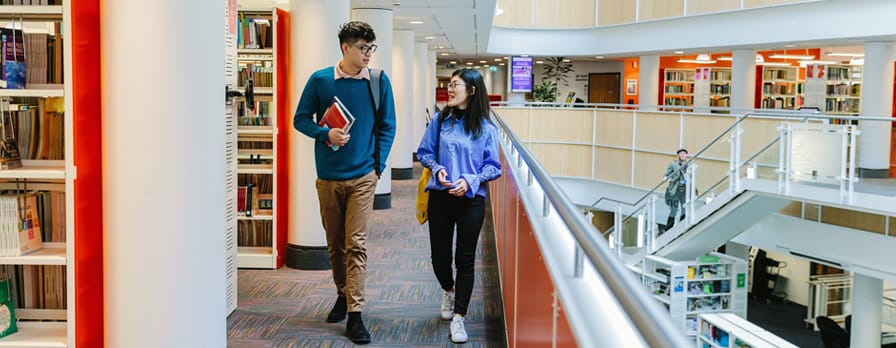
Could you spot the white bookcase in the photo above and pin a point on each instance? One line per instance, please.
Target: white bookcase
(726, 330)
(678, 87)
(712, 87)
(781, 88)
(257, 139)
(715, 283)
(39, 327)
(835, 89)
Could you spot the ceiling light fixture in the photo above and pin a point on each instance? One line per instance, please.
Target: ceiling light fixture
(843, 54)
(773, 64)
(702, 58)
(791, 56)
(416, 22)
(444, 54)
(725, 58)
(430, 37)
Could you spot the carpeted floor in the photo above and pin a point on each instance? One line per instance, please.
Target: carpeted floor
(287, 307)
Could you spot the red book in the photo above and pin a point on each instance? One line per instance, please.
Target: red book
(337, 116)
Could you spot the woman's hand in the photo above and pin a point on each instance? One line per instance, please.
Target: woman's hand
(443, 178)
(460, 188)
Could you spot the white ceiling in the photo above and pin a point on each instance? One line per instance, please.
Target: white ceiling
(458, 28)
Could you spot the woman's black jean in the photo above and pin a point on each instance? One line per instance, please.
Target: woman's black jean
(446, 212)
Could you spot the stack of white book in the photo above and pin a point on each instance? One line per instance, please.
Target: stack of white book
(19, 225)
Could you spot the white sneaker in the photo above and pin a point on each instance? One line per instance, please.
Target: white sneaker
(458, 332)
(447, 310)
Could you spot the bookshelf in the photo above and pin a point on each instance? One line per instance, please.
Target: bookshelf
(714, 283)
(843, 90)
(712, 87)
(780, 88)
(262, 50)
(726, 330)
(678, 87)
(836, 89)
(45, 322)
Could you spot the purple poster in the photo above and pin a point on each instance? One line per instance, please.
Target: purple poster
(521, 74)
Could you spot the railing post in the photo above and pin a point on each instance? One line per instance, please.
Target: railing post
(782, 150)
(617, 230)
(691, 186)
(738, 143)
(651, 230)
(844, 143)
(853, 133)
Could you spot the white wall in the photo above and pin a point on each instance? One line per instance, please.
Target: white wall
(578, 77)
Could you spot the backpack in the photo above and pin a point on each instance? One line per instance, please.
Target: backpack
(376, 76)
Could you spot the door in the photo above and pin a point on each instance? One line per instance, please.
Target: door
(604, 88)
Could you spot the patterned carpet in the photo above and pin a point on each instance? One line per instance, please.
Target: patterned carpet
(287, 307)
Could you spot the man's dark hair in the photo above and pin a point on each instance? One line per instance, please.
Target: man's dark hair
(353, 31)
(680, 151)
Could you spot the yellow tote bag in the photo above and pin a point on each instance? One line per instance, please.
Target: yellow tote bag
(423, 196)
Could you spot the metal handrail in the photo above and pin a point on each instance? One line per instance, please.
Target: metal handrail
(640, 307)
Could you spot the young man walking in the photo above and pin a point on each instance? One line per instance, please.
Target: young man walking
(348, 163)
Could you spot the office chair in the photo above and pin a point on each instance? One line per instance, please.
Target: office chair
(832, 335)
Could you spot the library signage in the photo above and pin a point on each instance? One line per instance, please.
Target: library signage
(521, 74)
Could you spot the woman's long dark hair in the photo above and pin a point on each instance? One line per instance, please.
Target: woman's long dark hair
(477, 101)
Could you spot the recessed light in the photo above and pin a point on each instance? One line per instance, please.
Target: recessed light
(789, 45)
(679, 52)
(444, 54)
(416, 22)
(539, 62)
(469, 63)
(453, 62)
(599, 57)
(482, 61)
(501, 64)
(566, 60)
(430, 37)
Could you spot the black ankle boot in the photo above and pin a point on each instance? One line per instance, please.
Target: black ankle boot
(670, 222)
(355, 329)
(338, 312)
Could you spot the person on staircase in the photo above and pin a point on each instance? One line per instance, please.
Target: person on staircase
(676, 193)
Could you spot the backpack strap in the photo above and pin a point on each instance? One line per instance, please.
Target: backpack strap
(376, 76)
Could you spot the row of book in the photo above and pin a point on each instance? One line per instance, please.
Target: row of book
(39, 128)
(255, 33)
(30, 58)
(30, 2)
(251, 201)
(261, 116)
(37, 286)
(261, 75)
(255, 233)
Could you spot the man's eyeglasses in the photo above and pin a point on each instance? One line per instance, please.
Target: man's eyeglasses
(367, 49)
(455, 84)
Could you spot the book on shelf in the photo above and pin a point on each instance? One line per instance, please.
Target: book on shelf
(337, 116)
(20, 231)
(14, 69)
(9, 149)
(7, 309)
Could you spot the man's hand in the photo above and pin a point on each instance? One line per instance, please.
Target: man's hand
(338, 136)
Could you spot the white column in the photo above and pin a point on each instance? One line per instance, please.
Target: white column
(877, 101)
(649, 76)
(499, 81)
(421, 79)
(381, 21)
(743, 79)
(163, 173)
(866, 302)
(401, 159)
(431, 85)
(314, 28)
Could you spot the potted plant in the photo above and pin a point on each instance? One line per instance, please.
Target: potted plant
(556, 72)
